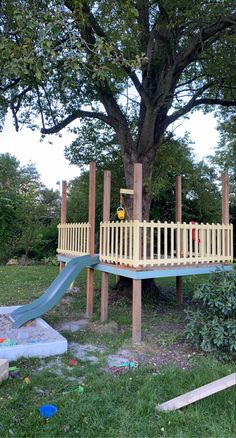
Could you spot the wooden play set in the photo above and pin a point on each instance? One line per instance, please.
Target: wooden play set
(138, 249)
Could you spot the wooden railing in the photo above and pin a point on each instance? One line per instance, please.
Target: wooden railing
(73, 239)
(137, 243)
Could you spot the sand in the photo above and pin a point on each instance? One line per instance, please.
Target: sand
(28, 334)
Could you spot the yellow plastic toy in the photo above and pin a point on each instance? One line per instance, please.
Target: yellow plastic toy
(120, 213)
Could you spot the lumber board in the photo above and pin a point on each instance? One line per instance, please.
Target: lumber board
(126, 192)
(4, 369)
(198, 394)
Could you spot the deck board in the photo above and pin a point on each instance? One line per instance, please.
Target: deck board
(141, 273)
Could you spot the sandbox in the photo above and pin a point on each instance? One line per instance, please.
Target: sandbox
(36, 339)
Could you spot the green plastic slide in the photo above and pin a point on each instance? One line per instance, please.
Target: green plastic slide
(55, 291)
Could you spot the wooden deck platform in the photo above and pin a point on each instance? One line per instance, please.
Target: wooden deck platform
(141, 273)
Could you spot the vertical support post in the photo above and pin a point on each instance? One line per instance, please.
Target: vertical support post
(178, 218)
(225, 208)
(137, 311)
(225, 198)
(90, 271)
(106, 218)
(63, 210)
(137, 284)
(138, 191)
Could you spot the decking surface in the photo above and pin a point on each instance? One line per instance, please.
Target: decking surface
(140, 272)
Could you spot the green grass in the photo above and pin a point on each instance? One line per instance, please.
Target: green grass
(121, 406)
(19, 284)
(116, 406)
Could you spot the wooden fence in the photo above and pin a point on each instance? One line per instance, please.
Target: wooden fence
(73, 239)
(138, 243)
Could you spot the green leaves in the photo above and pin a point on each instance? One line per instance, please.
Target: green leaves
(26, 208)
(212, 327)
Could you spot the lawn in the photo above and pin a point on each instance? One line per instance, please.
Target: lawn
(111, 404)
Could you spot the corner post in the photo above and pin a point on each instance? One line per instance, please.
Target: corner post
(90, 271)
(225, 209)
(106, 218)
(63, 210)
(137, 284)
(225, 198)
(178, 218)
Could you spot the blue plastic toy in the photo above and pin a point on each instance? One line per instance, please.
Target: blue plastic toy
(47, 411)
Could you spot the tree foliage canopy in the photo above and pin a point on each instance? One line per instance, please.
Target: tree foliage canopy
(81, 59)
(27, 210)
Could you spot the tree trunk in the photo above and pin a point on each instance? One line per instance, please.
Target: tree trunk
(149, 287)
(150, 290)
(147, 161)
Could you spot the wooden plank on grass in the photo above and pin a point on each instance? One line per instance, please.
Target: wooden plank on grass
(198, 394)
(4, 369)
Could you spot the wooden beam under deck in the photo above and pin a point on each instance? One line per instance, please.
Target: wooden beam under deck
(160, 272)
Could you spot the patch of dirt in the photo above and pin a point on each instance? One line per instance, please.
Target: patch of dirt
(153, 355)
(84, 351)
(110, 328)
(73, 326)
(59, 368)
(70, 295)
(162, 344)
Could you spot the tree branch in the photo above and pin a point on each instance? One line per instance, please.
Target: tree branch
(195, 48)
(195, 101)
(189, 81)
(95, 27)
(11, 85)
(143, 23)
(75, 115)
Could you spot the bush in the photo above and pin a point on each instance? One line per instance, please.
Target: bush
(212, 326)
(52, 261)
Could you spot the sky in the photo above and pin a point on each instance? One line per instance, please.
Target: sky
(49, 159)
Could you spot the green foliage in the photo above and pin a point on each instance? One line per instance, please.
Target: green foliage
(28, 212)
(212, 327)
(51, 261)
(201, 197)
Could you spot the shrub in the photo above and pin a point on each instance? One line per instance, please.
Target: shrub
(212, 326)
(50, 261)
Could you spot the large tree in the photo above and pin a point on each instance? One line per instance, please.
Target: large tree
(76, 60)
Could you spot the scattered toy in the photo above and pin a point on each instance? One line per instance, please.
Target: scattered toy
(27, 380)
(29, 323)
(47, 411)
(7, 343)
(14, 372)
(79, 390)
(13, 369)
(129, 364)
(73, 362)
